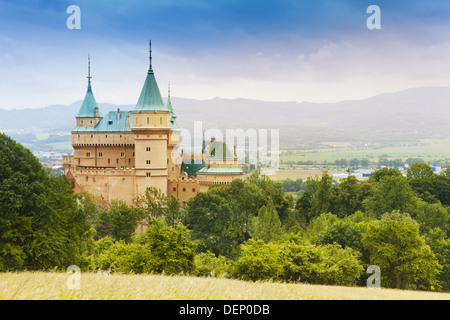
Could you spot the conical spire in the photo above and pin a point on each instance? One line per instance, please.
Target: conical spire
(89, 105)
(173, 123)
(150, 98)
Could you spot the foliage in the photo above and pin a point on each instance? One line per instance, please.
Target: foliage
(292, 261)
(123, 220)
(41, 225)
(208, 265)
(160, 249)
(396, 247)
(267, 225)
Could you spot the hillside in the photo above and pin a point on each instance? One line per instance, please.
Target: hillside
(388, 119)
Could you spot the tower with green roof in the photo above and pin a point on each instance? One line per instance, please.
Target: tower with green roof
(155, 136)
(89, 115)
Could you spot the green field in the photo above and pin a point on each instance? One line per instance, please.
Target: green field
(427, 149)
(101, 286)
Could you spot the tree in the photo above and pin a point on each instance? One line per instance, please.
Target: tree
(220, 218)
(61, 231)
(321, 201)
(419, 171)
(432, 216)
(170, 249)
(348, 197)
(344, 233)
(22, 179)
(377, 175)
(267, 225)
(394, 244)
(391, 192)
(260, 261)
(41, 225)
(174, 212)
(123, 220)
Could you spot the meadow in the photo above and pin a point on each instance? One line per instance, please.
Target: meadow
(102, 286)
(427, 149)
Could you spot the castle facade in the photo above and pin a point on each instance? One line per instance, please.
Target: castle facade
(123, 153)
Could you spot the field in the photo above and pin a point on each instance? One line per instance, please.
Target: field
(98, 286)
(436, 149)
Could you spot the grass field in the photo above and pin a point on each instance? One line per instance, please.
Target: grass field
(97, 286)
(428, 149)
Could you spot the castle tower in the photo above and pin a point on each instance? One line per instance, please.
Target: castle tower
(152, 135)
(88, 116)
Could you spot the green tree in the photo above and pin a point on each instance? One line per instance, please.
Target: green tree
(267, 225)
(392, 192)
(440, 245)
(348, 196)
(174, 212)
(61, 231)
(259, 261)
(419, 171)
(377, 175)
(170, 249)
(123, 220)
(321, 201)
(22, 180)
(431, 216)
(394, 244)
(344, 233)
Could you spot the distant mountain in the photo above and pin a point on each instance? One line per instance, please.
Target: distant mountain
(391, 118)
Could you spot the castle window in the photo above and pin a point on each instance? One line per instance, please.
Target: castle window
(149, 149)
(149, 162)
(173, 169)
(193, 189)
(184, 189)
(117, 160)
(122, 154)
(92, 136)
(174, 189)
(87, 178)
(100, 154)
(88, 154)
(148, 120)
(160, 120)
(133, 154)
(109, 161)
(78, 136)
(148, 174)
(91, 121)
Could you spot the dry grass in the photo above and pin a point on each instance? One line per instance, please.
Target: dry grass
(94, 286)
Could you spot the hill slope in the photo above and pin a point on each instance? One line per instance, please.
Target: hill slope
(392, 118)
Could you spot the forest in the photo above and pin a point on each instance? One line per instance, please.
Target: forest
(250, 229)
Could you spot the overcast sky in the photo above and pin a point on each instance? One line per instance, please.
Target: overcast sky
(285, 50)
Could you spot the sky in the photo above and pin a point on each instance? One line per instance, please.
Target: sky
(285, 50)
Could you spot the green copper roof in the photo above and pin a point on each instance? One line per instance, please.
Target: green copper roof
(212, 170)
(87, 109)
(173, 122)
(111, 123)
(150, 98)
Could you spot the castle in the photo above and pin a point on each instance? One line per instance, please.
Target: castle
(121, 154)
